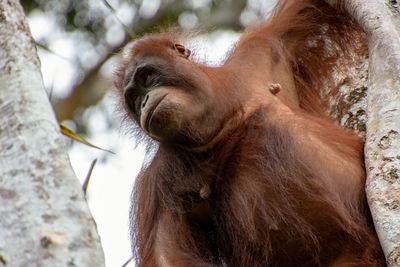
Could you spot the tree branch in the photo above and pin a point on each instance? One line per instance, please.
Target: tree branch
(45, 220)
(381, 22)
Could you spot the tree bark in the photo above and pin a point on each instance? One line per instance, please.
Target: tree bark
(381, 21)
(45, 220)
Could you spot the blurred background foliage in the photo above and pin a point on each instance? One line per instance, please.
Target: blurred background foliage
(87, 35)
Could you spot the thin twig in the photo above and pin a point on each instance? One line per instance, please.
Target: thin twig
(51, 89)
(87, 179)
(51, 51)
(127, 262)
(114, 12)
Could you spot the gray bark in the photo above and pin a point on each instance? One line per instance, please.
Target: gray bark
(45, 220)
(380, 20)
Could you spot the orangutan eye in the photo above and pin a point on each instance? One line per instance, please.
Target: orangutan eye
(145, 76)
(149, 79)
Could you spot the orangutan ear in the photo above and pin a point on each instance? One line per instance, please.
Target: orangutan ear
(182, 50)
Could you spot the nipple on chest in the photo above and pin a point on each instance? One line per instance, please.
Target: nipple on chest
(205, 191)
(274, 88)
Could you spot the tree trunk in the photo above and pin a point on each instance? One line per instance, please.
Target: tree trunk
(44, 219)
(380, 20)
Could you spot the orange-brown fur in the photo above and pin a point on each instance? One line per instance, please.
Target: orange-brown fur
(287, 184)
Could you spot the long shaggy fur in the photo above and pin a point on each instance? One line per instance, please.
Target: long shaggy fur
(270, 205)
